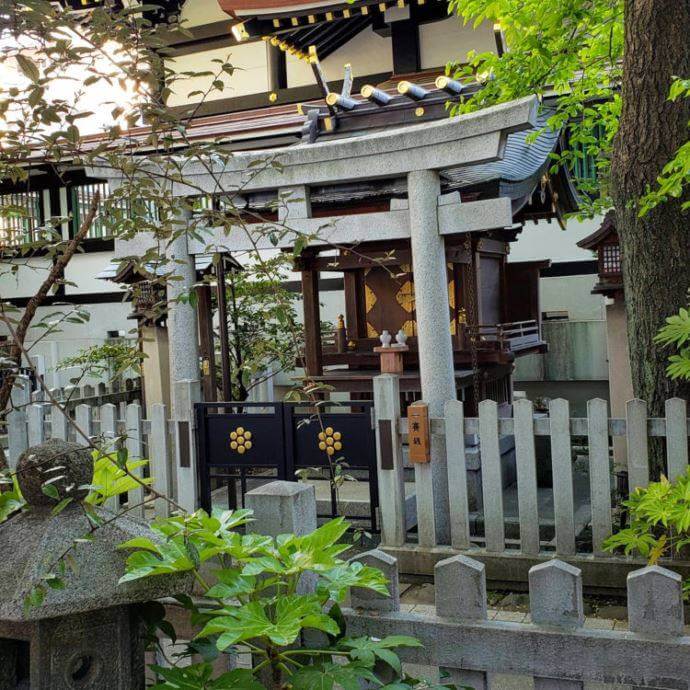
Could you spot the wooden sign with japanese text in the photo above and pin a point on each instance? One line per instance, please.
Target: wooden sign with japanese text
(418, 432)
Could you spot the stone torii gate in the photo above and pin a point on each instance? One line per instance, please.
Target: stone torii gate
(419, 153)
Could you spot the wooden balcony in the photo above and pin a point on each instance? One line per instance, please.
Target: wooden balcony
(515, 336)
(495, 344)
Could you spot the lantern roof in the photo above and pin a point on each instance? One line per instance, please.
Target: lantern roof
(606, 231)
(39, 538)
(34, 540)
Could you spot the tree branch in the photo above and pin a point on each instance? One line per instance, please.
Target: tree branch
(36, 300)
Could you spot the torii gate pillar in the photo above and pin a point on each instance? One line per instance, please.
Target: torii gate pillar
(436, 369)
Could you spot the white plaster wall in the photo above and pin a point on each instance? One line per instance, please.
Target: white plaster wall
(72, 338)
(26, 280)
(545, 240)
(332, 301)
(367, 52)
(572, 294)
(250, 75)
(196, 12)
(448, 40)
(83, 269)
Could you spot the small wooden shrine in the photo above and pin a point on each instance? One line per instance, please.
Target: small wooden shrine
(490, 322)
(494, 313)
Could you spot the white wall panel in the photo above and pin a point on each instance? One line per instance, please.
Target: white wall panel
(448, 40)
(250, 76)
(26, 281)
(367, 52)
(83, 269)
(196, 12)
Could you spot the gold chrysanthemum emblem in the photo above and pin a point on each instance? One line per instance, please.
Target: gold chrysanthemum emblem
(330, 441)
(240, 440)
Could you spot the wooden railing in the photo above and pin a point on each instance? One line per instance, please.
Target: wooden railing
(488, 444)
(503, 336)
(508, 336)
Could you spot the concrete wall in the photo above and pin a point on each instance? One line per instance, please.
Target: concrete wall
(577, 352)
(576, 366)
(544, 240)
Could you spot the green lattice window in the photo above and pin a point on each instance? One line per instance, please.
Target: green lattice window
(585, 164)
(82, 197)
(20, 217)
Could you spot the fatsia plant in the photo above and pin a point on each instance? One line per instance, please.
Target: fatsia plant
(278, 598)
(659, 522)
(676, 333)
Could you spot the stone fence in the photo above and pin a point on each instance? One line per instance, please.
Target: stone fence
(555, 648)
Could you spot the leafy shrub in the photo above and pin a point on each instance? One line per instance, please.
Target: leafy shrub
(659, 521)
(259, 597)
(676, 333)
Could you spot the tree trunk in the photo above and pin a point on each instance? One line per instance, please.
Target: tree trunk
(656, 248)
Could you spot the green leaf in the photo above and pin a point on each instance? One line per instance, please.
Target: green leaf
(51, 491)
(28, 67)
(231, 583)
(61, 505)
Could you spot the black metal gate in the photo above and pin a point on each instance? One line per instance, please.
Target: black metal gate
(256, 442)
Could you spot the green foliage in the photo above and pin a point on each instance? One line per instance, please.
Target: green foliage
(113, 475)
(262, 322)
(676, 333)
(110, 360)
(675, 176)
(659, 521)
(10, 500)
(255, 601)
(573, 50)
(569, 49)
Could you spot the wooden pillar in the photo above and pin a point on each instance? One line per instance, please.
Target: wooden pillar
(312, 322)
(276, 68)
(208, 358)
(405, 44)
(352, 318)
(223, 330)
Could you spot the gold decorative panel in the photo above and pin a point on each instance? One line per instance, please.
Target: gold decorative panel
(389, 296)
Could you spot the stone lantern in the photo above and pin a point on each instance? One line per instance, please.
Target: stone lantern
(87, 634)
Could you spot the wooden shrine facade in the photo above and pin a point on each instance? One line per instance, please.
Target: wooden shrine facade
(493, 315)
